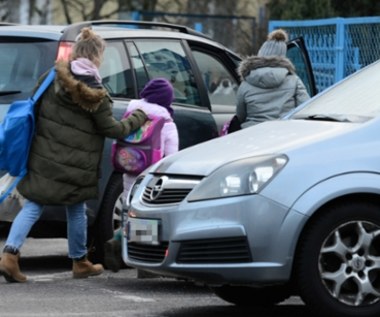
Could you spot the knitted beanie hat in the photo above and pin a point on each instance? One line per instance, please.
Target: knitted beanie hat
(159, 91)
(275, 45)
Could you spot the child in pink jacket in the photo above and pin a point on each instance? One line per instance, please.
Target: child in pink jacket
(156, 99)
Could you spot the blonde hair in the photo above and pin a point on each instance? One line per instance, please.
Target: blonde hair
(89, 45)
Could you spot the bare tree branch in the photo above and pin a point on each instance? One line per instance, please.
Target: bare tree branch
(65, 7)
(3, 11)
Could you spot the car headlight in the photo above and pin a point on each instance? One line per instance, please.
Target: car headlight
(242, 177)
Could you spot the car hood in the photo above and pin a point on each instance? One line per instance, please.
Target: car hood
(272, 137)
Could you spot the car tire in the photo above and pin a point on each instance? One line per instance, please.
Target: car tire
(252, 297)
(338, 263)
(108, 220)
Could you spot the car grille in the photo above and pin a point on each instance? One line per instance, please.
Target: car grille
(146, 252)
(226, 250)
(169, 196)
(163, 190)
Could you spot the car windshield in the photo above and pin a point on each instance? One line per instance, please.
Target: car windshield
(356, 99)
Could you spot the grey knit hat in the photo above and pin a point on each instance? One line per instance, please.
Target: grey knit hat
(275, 45)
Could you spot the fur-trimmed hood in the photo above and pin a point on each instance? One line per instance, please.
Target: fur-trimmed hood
(65, 159)
(255, 62)
(88, 98)
(266, 72)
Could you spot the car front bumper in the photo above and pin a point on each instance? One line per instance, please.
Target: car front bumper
(245, 240)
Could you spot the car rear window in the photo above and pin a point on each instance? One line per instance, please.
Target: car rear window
(22, 62)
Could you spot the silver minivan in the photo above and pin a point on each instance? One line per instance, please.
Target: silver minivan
(136, 52)
(286, 207)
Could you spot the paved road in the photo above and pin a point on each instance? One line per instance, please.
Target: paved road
(52, 292)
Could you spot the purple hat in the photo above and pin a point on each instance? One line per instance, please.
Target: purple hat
(159, 91)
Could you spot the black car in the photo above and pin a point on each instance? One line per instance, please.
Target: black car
(202, 72)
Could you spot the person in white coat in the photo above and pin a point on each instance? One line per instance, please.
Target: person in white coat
(270, 86)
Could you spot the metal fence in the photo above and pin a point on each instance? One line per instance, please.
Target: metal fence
(337, 47)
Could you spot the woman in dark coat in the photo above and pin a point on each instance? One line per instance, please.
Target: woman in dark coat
(73, 119)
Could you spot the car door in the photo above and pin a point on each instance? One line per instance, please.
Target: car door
(298, 54)
(217, 70)
(152, 58)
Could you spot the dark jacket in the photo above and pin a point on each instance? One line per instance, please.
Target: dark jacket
(73, 119)
(269, 89)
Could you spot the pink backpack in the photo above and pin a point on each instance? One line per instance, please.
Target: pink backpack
(140, 149)
(230, 126)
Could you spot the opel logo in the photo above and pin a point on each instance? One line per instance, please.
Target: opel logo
(158, 188)
(358, 264)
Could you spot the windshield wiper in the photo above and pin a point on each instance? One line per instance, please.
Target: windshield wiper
(352, 118)
(9, 92)
(323, 117)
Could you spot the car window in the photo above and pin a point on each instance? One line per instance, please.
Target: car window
(221, 85)
(168, 59)
(138, 65)
(22, 62)
(116, 71)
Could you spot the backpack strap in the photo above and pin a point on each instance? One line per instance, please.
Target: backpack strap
(47, 81)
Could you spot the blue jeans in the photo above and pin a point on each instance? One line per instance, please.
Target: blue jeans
(76, 227)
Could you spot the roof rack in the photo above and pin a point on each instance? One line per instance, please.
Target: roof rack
(71, 31)
(7, 24)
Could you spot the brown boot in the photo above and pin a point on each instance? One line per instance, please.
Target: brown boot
(10, 269)
(84, 268)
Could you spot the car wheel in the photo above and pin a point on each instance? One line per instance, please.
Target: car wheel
(338, 266)
(109, 218)
(252, 297)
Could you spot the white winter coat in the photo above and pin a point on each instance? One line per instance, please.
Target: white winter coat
(269, 89)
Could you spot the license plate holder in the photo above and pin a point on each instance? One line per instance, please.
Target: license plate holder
(145, 231)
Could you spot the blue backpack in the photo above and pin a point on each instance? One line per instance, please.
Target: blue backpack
(16, 135)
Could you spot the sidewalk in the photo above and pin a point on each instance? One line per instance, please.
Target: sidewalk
(40, 247)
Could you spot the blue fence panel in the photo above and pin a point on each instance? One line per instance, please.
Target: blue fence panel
(337, 47)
